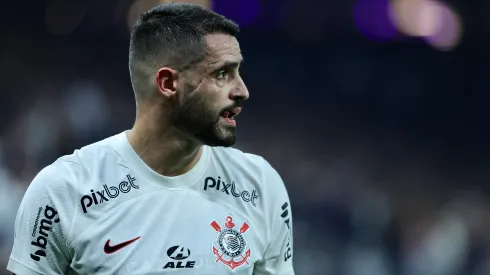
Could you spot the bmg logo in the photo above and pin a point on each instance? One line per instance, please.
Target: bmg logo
(46, 224)
(112, 192)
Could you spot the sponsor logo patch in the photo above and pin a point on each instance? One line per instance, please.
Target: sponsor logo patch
(107, 193)
(45, 226)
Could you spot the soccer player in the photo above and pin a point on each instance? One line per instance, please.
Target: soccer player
(169, 195)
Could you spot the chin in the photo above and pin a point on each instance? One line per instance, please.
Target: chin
(220, 142)
(228, 142)
(219, 138)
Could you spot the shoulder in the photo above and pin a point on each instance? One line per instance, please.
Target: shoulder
(68, 172)
(252, 166)
(241, 161)
(236, 156)
(95, 154)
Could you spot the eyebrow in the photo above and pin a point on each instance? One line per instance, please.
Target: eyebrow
(226, 65)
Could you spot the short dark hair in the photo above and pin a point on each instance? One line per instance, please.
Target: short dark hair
(173, 35)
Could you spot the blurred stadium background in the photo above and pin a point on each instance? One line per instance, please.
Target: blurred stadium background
(375, 113)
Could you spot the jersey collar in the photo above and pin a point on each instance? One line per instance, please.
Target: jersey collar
(135, 163)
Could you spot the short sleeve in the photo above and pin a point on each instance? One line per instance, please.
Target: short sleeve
(278, 258)
(41, 226)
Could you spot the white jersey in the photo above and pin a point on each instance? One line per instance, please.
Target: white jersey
(101, 211)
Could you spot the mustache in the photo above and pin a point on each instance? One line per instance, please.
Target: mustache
(231, 107)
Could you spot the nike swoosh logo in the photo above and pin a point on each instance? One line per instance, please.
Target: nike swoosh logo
(109, 249)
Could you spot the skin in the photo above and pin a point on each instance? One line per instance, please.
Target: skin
(184, 112)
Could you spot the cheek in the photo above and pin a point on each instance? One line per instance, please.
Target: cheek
(214, 95)
(203, 102)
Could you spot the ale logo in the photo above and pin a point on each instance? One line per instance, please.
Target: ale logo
(179, 254)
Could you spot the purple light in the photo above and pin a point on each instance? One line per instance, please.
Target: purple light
(275, 12)
(371, 18)
(244, 12)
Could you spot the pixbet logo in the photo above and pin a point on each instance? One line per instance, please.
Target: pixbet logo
(112, 192)
(230, 188)
(46, 224)
(179, 253)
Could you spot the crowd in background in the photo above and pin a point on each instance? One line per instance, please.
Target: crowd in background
(383, 147)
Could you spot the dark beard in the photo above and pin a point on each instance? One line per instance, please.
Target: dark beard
(203, 123)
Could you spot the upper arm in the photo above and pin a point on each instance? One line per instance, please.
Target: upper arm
(41, 226)
(278, 258)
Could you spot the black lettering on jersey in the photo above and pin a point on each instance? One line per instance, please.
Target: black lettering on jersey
(179, 253)
(225, 188)
(45, 226)
(36, 222)
(230, 189)
(180, 264)
(107, 193)
(285, 216)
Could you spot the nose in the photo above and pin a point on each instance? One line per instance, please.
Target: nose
(240, 92)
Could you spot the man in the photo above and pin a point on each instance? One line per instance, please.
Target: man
(168, 195)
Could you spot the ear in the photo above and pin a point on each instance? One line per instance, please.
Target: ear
(166, 79)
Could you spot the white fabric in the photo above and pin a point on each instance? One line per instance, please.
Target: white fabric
(104, 195)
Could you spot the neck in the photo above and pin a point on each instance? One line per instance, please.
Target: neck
(165, 149)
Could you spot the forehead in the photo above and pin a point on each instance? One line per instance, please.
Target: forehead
(222, 47)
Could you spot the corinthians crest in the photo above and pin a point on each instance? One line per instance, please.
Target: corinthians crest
(231, 244)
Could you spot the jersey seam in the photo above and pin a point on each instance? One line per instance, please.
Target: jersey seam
(71, 228)
(267, 208)
(73, 196)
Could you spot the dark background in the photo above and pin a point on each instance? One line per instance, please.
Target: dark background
(381, 137)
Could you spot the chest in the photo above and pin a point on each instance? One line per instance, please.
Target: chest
(173, 233)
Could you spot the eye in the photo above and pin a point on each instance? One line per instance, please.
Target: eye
(222, 75)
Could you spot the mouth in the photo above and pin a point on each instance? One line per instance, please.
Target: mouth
(231, 113)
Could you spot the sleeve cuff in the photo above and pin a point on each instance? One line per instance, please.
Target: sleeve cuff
(20, 269)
